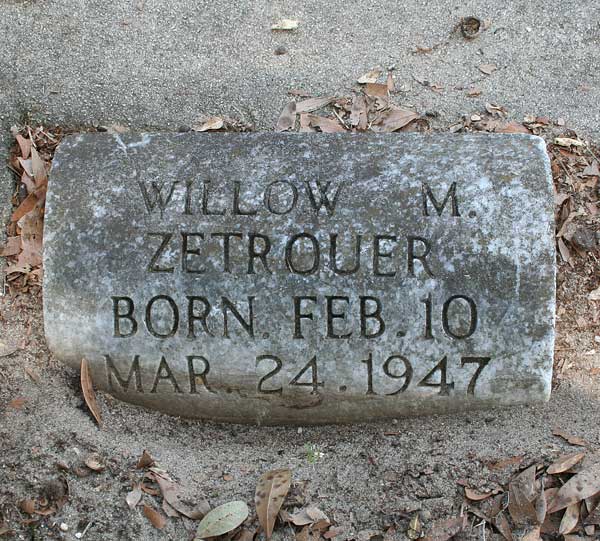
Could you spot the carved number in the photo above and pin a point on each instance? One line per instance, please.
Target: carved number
(482, 362)
(278, 364)
(428, 333)
(444, 386)
(314, 383)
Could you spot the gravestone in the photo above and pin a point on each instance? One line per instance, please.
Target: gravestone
(303, 278)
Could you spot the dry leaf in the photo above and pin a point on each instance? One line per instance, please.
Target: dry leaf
(27, 506)
(503, 526)
(94, 463)
(592, 170)
(7, 348)
(570, 519)
(505, 463)
(26, 165)
(442, 530)
(565, 462)
(26, 206)
(390, 82)
(17, 403)
(312, 104)
(395, 119)
(594, 296)
(414, 527)
(474, 92)
(513, 127)
(88, 391)
(567, 142)
(169, 510)
(222, 519)
(213, 123)
(173, 494)
(287, 119)
(134, 496)
(532, 535)
(145, 461)
(377, 90)
(157, 519)
(369, 77)
(488, 69)
(307, 515)
(32, 227)
(582, 485)
(358, 113)
(28, 182)
(305, 126)
(573, 440)
(24, 146)
(12, 247)
(285, 24)
(38, 167)
(271, 491)
(326, 125)
(475, 495)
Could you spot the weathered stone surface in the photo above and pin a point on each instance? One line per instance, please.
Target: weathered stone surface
(196, 272)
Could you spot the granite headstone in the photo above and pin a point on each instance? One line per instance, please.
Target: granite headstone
(303, 278)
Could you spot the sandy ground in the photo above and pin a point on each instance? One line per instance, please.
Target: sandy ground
(153, 63)
(370, 477)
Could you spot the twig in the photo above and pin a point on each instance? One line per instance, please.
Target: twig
(564, 168)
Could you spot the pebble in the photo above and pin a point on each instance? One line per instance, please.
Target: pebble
(64, 527)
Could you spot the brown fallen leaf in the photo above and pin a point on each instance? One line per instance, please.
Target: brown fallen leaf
(26, 205)
(370, 76)
(570, 519)
(145, 461)
(38, 167)
(503, 526)
(358, 113)
(32, 228)
(88, 391)
(27, 506)
(94, 462)
(174, 495)
(213, 123)
(134, 496)
(573, 440)
(312, 104)
(475, 495)
(287, 119)
(307, 515)
(505, 463)
(305, 126)
(156, 518)
(12, 247)
(565, 462)
(169, 510)
(17, 403)
(390, 82)
(271, 490)
(395, 119)
(513, 127)
(377, 90)
(583, 485)
(474, 92)
(442, 530)
(488, 69)
(326, 125)
(24, 146)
